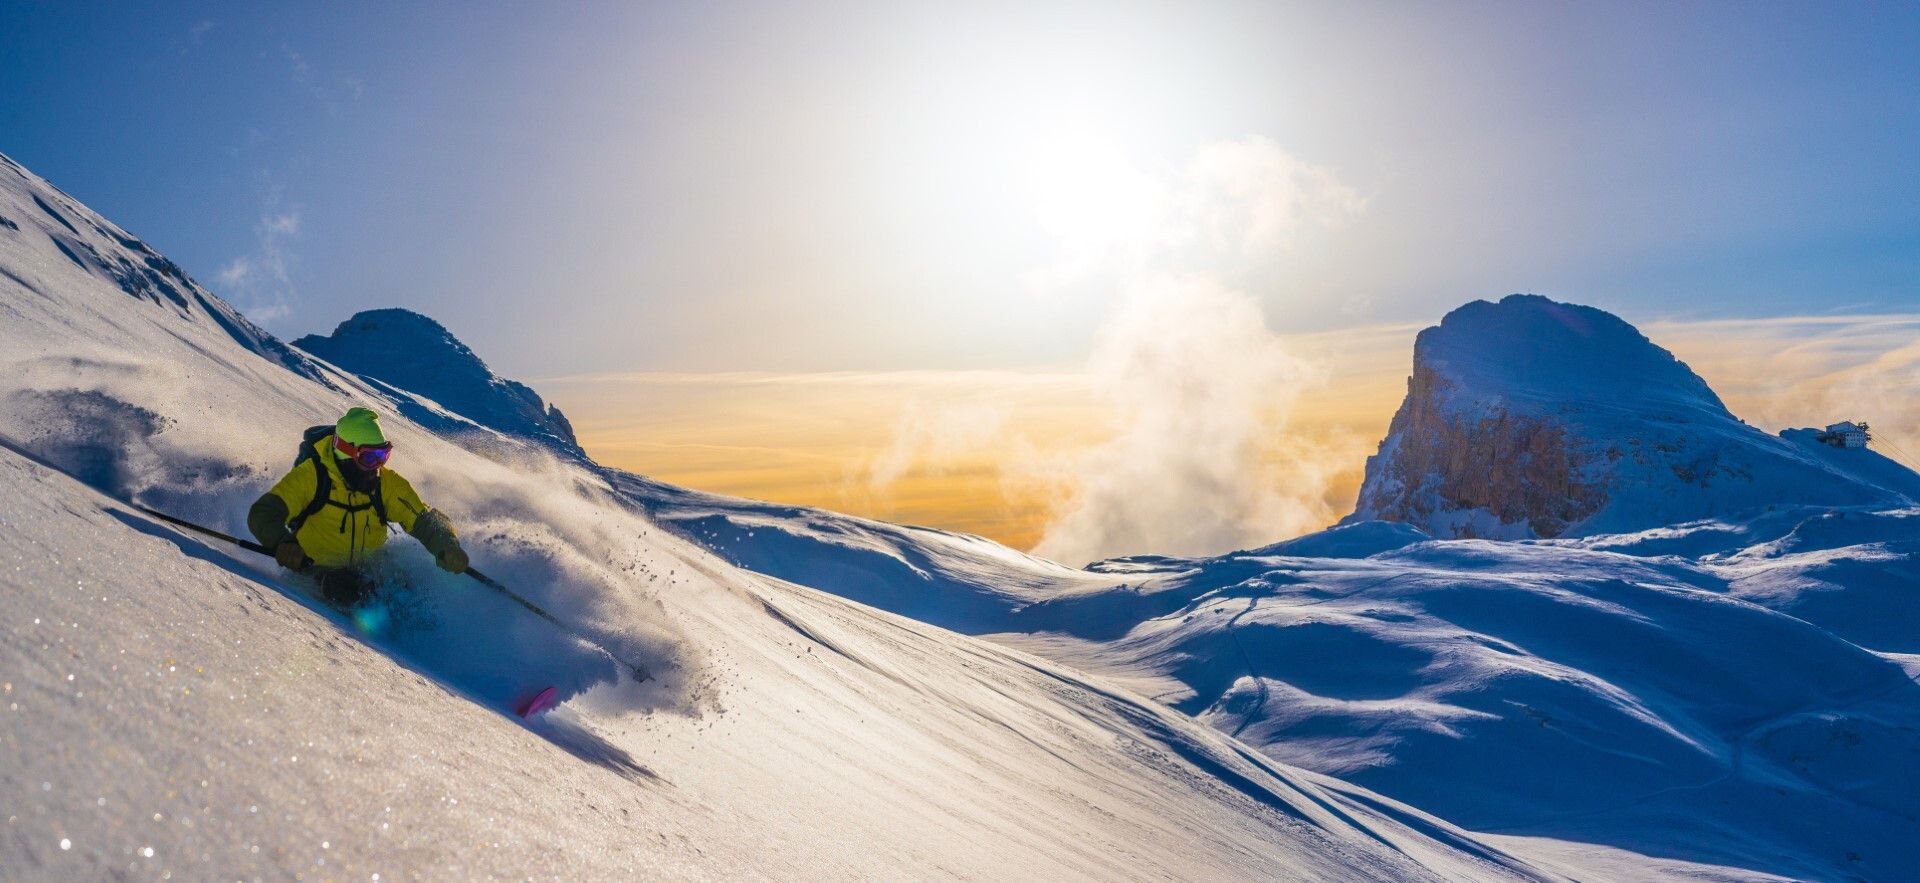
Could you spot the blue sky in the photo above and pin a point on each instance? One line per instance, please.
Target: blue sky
(793, 187)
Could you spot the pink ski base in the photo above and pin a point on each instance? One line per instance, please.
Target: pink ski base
(540, 702)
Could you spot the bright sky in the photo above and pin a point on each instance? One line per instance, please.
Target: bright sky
(963, 265)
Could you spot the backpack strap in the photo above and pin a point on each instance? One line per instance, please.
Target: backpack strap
(322, 493)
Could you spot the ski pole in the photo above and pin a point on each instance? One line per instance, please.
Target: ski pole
(244, 544)
(639, 671)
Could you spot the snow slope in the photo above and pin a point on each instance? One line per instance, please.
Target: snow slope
(1735, 694)
(1559, 692)
(176, 706)
(1532, 418)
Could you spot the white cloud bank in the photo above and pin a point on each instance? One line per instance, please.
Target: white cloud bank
(1796, 371)
(1200, 386)
(1197, 384)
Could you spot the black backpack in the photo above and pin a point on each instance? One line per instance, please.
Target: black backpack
(323, 482)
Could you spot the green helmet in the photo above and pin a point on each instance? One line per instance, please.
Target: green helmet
(359, 426)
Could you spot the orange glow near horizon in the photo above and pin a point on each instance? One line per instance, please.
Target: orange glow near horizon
(834, 440)
(976, 451)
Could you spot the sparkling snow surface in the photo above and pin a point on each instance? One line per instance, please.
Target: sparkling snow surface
(1750, 703)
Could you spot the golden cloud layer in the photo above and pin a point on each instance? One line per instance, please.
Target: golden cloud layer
(978, 451)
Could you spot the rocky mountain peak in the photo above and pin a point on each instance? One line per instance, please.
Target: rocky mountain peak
(1534, 418)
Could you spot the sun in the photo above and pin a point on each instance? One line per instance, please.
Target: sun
(1088, 194)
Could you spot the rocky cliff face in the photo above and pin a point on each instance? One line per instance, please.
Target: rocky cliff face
(1520, 470)
(1531, 418)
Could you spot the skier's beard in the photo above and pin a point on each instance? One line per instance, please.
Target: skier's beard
(360, 480)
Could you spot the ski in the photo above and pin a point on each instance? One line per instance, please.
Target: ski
(537, 704)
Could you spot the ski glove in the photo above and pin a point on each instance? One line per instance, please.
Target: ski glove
(268, 520)
(453, 560)
(291, 556)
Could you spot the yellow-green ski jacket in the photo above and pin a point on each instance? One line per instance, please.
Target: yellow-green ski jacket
(347, 528)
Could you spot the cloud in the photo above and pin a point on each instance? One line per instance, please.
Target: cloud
(261, 283)
(1246, 202)
(1197, 456)
(932, 439)
(1200, 460)
(327, 89)
(1798, 371)
(1017, 455)
(1198, 385)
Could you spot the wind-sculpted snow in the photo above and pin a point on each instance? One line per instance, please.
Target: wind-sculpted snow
(1569, 694)
(178, 707)
(1856, 574)
(1654, 703)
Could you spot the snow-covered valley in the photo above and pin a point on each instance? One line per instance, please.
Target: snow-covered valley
(1721, 694)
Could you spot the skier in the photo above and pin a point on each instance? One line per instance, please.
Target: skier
(341, 468)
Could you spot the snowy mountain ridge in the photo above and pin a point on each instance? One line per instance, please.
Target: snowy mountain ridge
(104, 251)
(417, 356)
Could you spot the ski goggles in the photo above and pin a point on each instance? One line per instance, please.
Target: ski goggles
(368, 456)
